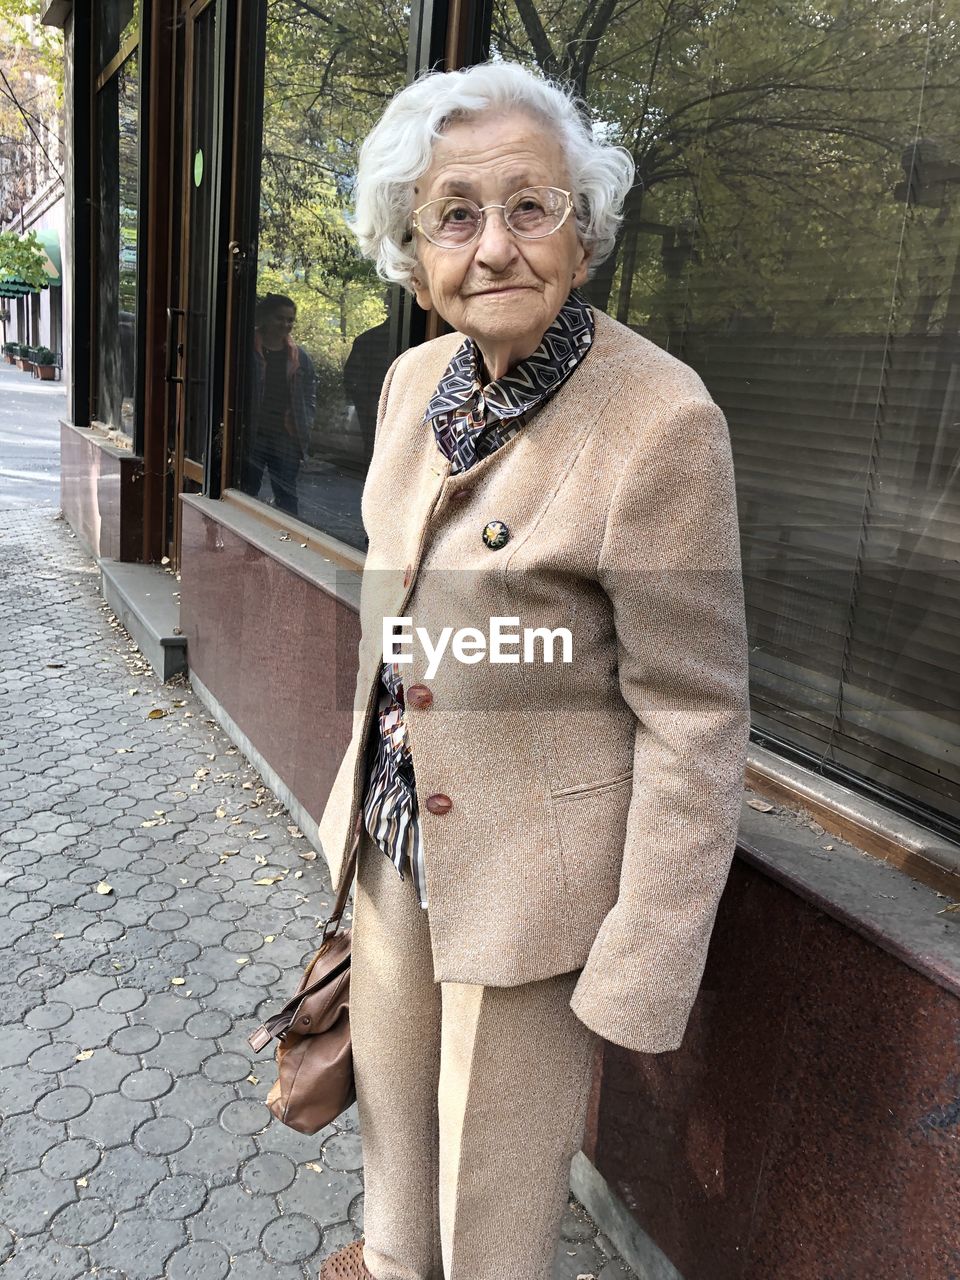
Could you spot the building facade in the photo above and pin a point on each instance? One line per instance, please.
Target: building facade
(32, 161)
(793, 234)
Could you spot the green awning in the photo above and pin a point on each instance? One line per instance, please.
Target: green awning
(49, 241)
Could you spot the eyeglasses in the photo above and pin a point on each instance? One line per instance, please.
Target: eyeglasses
(452, 222)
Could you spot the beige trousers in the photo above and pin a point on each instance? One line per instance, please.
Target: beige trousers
(472, 1100)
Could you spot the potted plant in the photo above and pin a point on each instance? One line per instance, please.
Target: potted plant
(45, 364)
(23, 359)
(10, 352)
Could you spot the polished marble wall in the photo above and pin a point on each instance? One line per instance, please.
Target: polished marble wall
(275, 651)
(100, 494)
(809, 1126)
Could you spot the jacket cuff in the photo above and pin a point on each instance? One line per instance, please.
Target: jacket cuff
(622, 997)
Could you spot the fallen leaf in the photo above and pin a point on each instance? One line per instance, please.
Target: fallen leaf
(317, 1168)
(84, 1055)
(221, 812)
(295, 832)
(58, 936)
(180, 702)
(81, 1182)
(103, 887)
(194, 786)
(244, 960)
(268, 880)
(157, 713)
(122, 751)
(309, 855)
(253, 1079)
(133, 692)
(258, 835)
(201, 772)
(954, 906)
(260, 859)
(763, 805)
(54, 666)
(158, 813)
(154, 822)
(271, 937)
(177, 982)
(164, 559)
(297, 875)
(248, 786)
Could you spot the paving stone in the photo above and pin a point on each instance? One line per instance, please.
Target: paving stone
(40, 1258)
(195, 1099)
(214, 1155)
(71, 1159)
(268, 1173)
(101, 1073)
(139, 1245)
(125, 1176)
(19, 1043)
(90, 1027)
(84, 1222)
(342, 1151)
(26, 1138)
(206, 1261)
(233, 1214)
(326, 1195)
(111, 1120)
(29, 1199)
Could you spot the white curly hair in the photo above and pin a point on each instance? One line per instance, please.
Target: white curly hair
(398, 151)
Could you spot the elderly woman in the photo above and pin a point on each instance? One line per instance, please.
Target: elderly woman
(545, 828)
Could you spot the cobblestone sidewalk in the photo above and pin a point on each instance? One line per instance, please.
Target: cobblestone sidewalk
(155, 901)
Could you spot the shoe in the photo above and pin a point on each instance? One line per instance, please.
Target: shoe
(346, 1264)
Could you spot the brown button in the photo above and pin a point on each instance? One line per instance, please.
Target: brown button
(439, 804)
(407, 575)
(418, 695)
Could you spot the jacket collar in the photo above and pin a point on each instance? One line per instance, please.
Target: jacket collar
(563, 346)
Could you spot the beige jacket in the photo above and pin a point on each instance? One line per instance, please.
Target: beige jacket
(595, 803)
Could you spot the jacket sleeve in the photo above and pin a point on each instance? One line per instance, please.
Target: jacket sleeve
(670, 564)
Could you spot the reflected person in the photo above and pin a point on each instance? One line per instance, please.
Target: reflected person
(283, 404)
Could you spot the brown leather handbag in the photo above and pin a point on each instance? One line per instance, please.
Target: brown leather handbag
(314, 1061)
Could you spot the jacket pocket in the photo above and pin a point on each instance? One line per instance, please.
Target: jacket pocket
(591, 828)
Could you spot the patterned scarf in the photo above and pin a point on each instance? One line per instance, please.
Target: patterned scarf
(471, 420)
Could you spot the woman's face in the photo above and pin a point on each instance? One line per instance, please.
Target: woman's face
(502, 290)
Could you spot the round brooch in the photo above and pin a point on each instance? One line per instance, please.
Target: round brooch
(495, 535)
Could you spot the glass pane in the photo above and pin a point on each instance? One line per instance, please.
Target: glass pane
(794, 236)
(321, 341)
(201, 196)
(116, 21)
(118, 154)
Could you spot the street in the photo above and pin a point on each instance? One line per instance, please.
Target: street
(30, 413)
(155, 903)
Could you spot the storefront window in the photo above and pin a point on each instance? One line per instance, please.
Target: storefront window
(117, 21)
(116, 268)
(793, 235)
(320, 343)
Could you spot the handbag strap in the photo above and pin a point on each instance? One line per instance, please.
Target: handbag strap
(346, 879)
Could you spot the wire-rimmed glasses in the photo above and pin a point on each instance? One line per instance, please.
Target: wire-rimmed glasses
(452, 222)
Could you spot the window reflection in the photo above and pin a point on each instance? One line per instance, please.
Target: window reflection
(320, 345)
(118, 156)
(794, 236)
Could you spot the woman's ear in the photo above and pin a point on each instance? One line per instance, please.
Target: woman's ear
(421, 291)
(581, 265)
